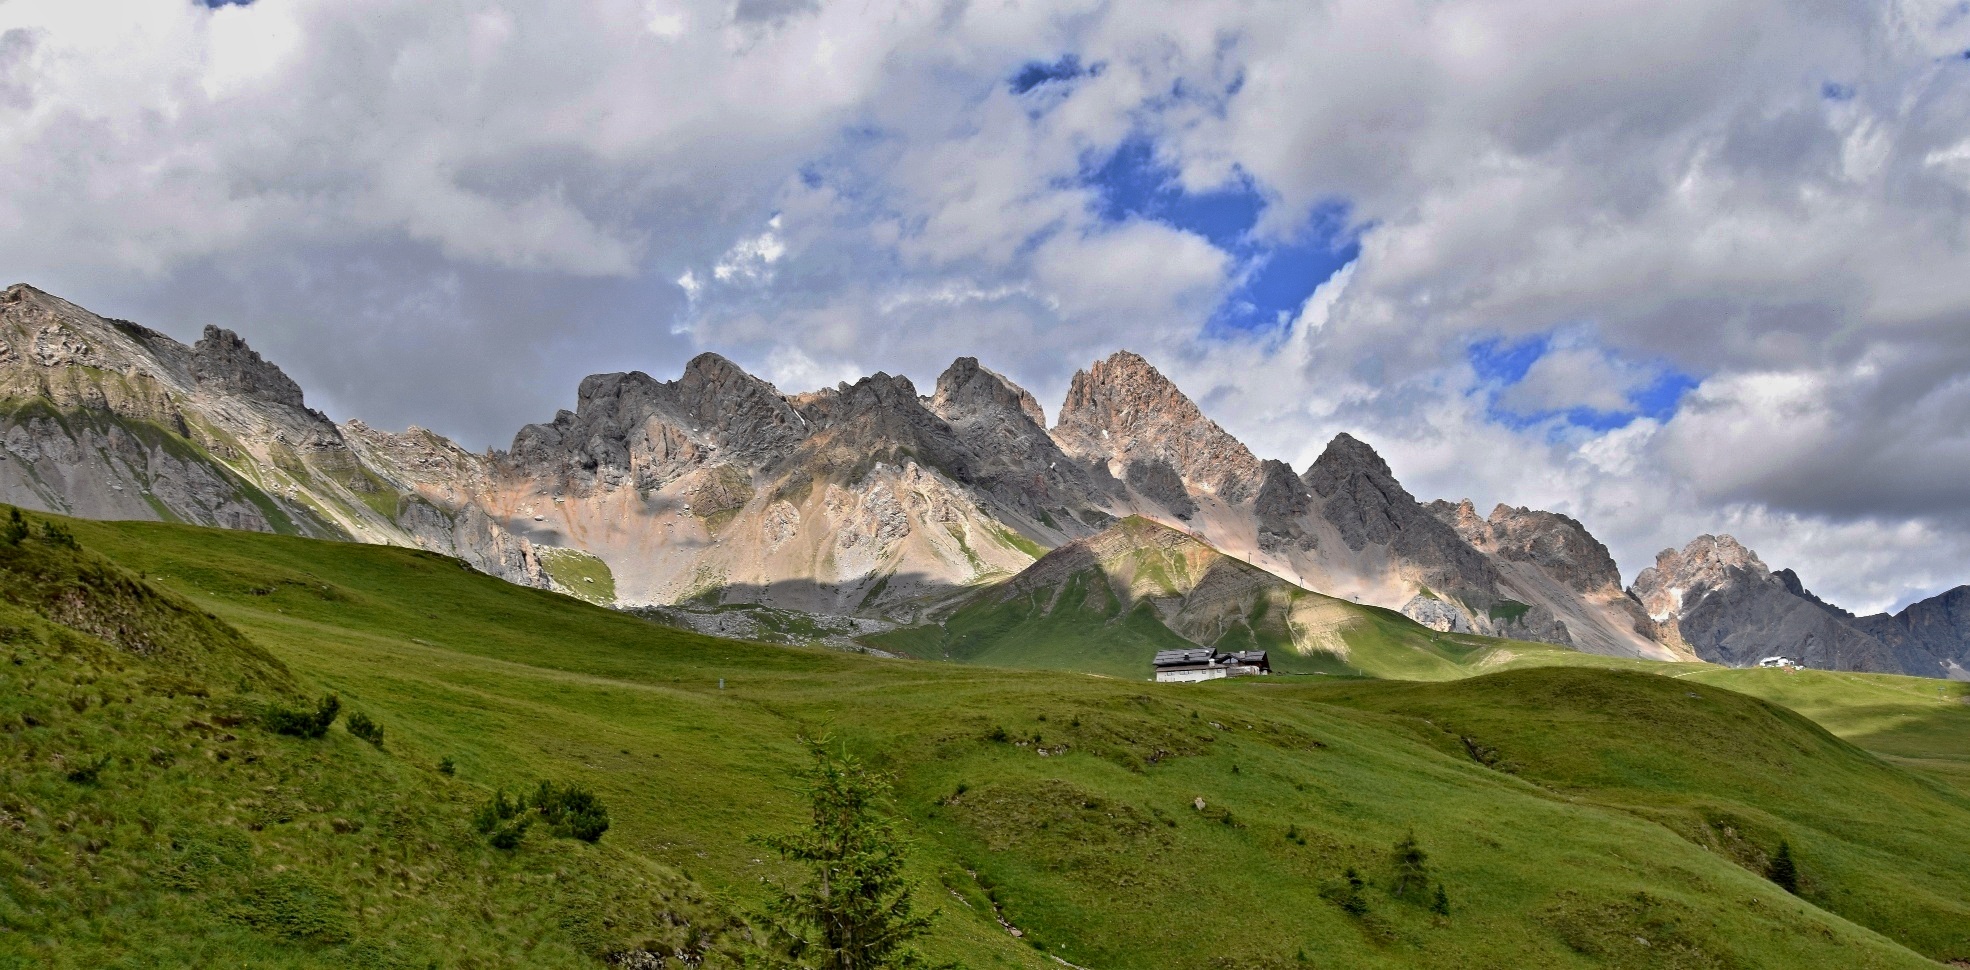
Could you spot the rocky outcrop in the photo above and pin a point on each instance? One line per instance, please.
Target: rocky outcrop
(1122, 410)
(1558, 545)
(1361, 499)
(1718, 599)
(1551, 561)
(1014, 458)
(222, 363)
(1935, 630)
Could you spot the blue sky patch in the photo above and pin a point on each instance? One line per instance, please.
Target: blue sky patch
(1499, 364)
(1835, 91)
(1274, 277)
(1037, 73)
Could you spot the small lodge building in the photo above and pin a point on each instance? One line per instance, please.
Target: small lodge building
(1204, 663)
(1780, 662)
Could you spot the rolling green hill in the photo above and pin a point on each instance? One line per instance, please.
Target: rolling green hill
(1586, 825)
(1105, 604)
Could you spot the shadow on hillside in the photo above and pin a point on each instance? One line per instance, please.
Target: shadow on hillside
(905, 598)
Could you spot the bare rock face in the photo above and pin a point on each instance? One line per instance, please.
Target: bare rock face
(1930, 637)
(1557, 544)
(633, 431)
(969, 394)
(1122, 410)
(1279, 510)
(879, 415)
(1720, 600)
(1362, 499)
(1004, 429)
(223, 363)
(1437, 615)
(1707, 562)
(136, 425)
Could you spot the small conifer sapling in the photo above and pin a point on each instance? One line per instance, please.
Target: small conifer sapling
(1783, 871)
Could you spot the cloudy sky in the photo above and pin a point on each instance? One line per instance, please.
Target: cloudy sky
(1672, 267)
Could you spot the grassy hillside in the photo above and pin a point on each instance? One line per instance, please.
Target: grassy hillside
(1063, 805)
(1726, 771)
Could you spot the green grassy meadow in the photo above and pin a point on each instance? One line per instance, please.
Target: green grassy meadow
(1602, 814)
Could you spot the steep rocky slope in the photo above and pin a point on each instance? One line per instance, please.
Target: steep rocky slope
(1937, 628)
(111, 420)
(1551, 561)
(717, 487)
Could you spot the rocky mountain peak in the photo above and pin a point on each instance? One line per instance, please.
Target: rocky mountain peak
(967, 391)
(1707, 562)
(1345, 457)
(1721, 601)
(222, 362)
(1282, 496)
(1556, 543)
(1123, 410)
(878, 415)
(747, 416)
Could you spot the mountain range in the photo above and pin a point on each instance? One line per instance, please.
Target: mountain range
(873, 500)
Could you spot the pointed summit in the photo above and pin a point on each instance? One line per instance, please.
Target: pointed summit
(1720, 601)
(967, 391)
(1124, 411)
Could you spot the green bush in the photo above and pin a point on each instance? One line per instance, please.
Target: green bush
(360, 725)
(500, 819)
(57, 536)
(1347, 895)
(87, 772)
(446, 766)
(301, 723)
(15, 530)
(497, 810)
(571, 811)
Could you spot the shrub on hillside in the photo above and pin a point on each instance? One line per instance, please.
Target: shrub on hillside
(15, 530)
(87, 772)
(1347, 893)
(360, 725)
(304, 723)
(56, 536)
(500, 819)
(571, 811)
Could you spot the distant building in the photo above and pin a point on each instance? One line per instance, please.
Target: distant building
(1779, 662)
(1205, 663)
